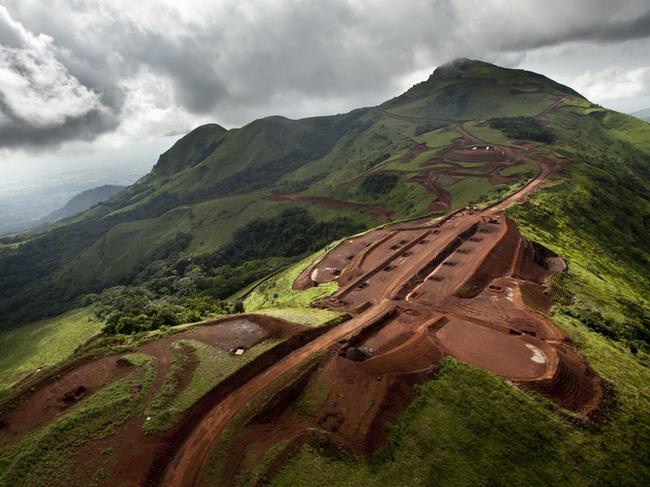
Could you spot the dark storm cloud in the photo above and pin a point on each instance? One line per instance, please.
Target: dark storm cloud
(595, 21)
(616, 30)
(237, 60)
(188, 62)
(18, 133)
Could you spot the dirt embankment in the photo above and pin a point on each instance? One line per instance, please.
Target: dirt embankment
(416, 293)
(134, 451)
(390, 341)
(397, 339)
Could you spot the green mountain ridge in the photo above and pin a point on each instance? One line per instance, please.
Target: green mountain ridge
(84, 200)
(228, 219)
(214, 182)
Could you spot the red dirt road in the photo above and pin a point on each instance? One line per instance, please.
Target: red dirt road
(133, 450)
(417, 292)
(186, 467)
(406, 288)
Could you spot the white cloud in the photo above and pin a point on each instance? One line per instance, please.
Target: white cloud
(35, 87)
(38, 90)
(613, 83)
(150, 110)
(141, 69)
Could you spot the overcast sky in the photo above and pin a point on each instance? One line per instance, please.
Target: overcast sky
(87, 82)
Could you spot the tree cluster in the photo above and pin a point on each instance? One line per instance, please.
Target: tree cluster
(527, 128)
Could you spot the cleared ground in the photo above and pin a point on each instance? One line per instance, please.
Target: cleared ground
(186, 367)
(246, 393)
(417, 293)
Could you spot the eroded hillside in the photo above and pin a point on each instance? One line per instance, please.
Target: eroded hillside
(448, 288)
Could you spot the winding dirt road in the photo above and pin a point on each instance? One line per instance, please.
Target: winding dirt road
(192, 455)
(418, 272)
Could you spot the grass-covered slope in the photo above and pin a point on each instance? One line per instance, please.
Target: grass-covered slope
(43, 344)
(596, 213)
(348, 172)
(468, 427)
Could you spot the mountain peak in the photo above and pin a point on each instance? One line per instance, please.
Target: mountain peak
(457, 68)
(191, 148)
(482, 79)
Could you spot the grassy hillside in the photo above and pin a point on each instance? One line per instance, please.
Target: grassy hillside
(228, 219)
(469, 427)
(43, 344)
(213, 182)
(596, 214)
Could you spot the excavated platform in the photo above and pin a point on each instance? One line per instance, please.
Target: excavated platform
(515, 357)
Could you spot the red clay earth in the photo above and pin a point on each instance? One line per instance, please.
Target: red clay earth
(54, 398)
(443, 197)
(417, 294)
(414, 151)
(134, 451)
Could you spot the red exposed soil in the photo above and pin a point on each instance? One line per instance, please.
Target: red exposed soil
(476, 154)
(332, 264)
(56, 397)
(443, 197)
(133, 451)
(574, 385)
(414, 151)
(487, 348)
(403, 292)
(415, 292)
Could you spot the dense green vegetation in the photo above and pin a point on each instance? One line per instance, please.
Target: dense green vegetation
(128, 310)
(213, 182)
(379, 183)
(527, 128)
(178, 291)
(291, 233)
